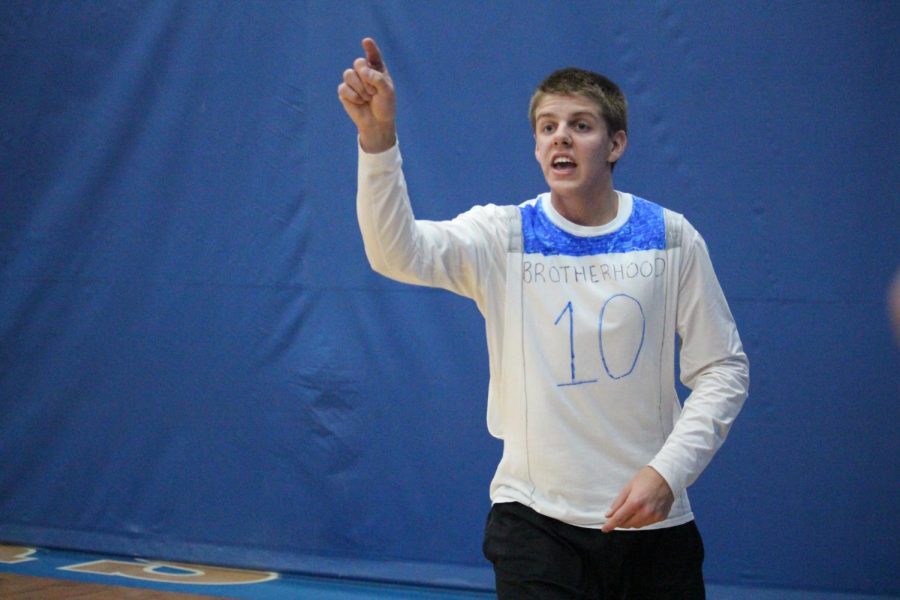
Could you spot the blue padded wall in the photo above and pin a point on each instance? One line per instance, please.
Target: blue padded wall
(196, 362)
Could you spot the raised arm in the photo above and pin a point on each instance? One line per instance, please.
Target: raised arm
(455, 254)
(367, 93)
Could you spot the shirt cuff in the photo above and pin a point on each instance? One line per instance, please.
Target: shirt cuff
(374, 166)
(670, 473)
(390, 153)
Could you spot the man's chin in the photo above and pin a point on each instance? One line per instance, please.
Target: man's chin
(565, 188)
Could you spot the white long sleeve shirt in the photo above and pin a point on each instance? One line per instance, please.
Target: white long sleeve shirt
(581, 325)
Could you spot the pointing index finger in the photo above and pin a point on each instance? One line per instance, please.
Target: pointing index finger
(373, 54)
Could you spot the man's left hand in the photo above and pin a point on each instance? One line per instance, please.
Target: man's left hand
(644, 500)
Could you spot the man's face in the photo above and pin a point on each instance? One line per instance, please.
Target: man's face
(574, 148)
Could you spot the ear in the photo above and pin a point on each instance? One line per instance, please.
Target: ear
(618, 142)
(537, 155)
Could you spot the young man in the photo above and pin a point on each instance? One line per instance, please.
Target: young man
(583, 290)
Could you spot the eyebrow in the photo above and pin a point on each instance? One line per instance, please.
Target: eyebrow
(578, 115)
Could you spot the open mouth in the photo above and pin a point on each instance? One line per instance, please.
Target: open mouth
(563, 164)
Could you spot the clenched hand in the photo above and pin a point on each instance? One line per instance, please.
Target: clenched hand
(367, 94)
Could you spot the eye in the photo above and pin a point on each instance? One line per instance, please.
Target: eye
(547, 127)
(583, 126)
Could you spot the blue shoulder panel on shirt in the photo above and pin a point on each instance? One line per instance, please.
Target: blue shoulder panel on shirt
(645, 229)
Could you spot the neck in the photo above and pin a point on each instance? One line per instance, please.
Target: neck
(589, 212)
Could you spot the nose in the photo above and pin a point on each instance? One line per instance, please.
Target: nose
(561, 136)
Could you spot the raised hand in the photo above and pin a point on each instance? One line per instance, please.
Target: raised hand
(367, 94)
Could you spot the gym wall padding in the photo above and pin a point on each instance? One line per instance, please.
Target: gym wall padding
(196, 362)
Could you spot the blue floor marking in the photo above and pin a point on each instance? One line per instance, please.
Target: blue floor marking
(57, 564)
(54, 564)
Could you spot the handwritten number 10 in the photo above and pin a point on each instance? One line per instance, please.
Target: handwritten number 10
(568, 310)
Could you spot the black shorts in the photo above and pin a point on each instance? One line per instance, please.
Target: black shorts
(538, 557)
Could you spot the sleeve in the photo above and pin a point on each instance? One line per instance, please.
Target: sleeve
(713, 365)
(455, 255)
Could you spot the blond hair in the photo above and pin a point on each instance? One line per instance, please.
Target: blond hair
(577, 82)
